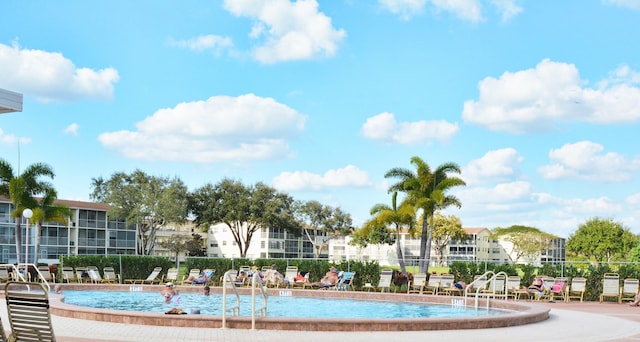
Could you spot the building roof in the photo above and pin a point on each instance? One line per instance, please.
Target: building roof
(474, 230)
(73, 204)
(10, 101)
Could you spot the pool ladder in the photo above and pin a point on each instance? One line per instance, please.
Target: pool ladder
(228, 282)
(18, 273)
(489, 285)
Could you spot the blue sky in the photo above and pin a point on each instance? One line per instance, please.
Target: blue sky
(537, 101)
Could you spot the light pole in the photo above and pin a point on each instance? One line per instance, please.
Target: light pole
(27, 213)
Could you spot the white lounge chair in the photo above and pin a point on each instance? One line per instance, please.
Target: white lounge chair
(629, 290)
(610, 286)
(576, 289)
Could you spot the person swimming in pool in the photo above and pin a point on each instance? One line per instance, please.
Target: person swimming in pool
(169, 292)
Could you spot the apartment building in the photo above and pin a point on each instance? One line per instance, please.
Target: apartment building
(90, 231)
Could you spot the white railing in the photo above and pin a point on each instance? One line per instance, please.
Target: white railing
(489, 285)
(228, 282)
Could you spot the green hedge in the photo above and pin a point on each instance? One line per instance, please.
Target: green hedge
(133, 267)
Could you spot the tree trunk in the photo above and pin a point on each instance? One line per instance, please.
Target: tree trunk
(400, 256)
(428, 254)
(423, 244)
(36, 244)
(18, 239)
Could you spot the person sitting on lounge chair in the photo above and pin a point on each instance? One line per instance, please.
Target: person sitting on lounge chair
(301, 278)
(537, 287)
(274, 278)
(206, 275)
(329, 279)
(240, 279)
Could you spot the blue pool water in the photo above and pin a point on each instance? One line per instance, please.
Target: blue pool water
(277, 306)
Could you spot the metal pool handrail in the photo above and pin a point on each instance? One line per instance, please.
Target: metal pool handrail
(229, 282)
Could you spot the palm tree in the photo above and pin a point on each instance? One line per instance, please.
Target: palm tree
(21, 190)
(425, 190)
(398, 217)
(48, 211)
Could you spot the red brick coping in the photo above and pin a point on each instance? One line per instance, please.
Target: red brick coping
(522, 312)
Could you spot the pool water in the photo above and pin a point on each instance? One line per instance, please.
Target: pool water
(285, 306)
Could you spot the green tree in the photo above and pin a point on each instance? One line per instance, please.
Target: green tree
(445, 229)
(22, 190)
(48, 211)
(634, 253)
(320, 223)
(426, 190)
(148, 201)
(526, 242)
(195, 246)
(175, 244)
(398, 217)
(601, 239)
(244, 210)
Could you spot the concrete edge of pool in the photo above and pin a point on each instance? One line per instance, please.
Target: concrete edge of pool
(522, 312)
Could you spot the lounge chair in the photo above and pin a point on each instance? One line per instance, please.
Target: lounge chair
(193, 273)
(94, 274)
(418, 283)
(610, 286)
(153, 278)
(68, 275)
(110, 275)
(433, 284)
(5, 275)
(629, 290)
(384, 284)
(28, 311)
(45, 274)
(576, 289)
(445, 287)
(82, 275)
(3, 334)
(558, 289)
(290, 275)
(515, 290)
(171, 276)
(204, 279)
(495, 286)
(345, 282)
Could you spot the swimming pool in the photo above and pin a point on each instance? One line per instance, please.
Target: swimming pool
(277, 306)
(515, 313)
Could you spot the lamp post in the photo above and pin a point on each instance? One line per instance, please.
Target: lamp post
(27, 213)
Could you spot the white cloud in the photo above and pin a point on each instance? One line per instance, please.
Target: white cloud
(584, 160)
(219, 129)
(206, 42)
(634, 201)
(290, 31)
(349, 176)
(72, 129)
(383, 127)
(632, 4)
(494, 165)
(502, 196)
(468, 10)
(404, 8)
(507, 8)
(10, 139)
(538, 100)
(49, 76)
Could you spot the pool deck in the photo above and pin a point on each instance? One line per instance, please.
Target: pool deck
(575, 321)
